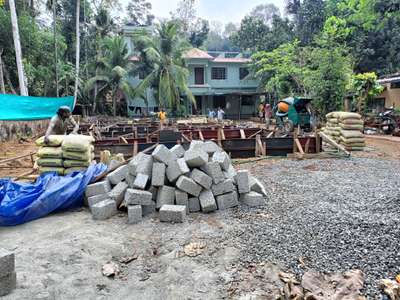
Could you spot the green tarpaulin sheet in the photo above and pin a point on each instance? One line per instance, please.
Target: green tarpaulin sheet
(23, 108)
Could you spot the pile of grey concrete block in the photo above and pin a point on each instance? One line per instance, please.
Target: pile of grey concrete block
(8, 277)
(175, 182)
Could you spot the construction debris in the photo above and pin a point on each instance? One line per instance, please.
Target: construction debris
(175, 182)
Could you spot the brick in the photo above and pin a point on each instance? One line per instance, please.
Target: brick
(96, 199)
(138, 197)
(227, 201)
(188, 185)
(140, 181)
(213, 169)
(182, 198)
(201, 178)
(7, 262)
(196, 158)
(165, 195)
(134, 214)
(257, 186)
(178, 151)
(210, 147)
(194, 205)
(252, 199)
(242, 179)
(118, 192)
(104, 210)
(130, 179)
(173, 213)
(158, 174)
(223, 159)
(223, 187)
(196, 144)
(118, 175)
(8, 283)
(148, 209)
(102, 187)
(141, 164)
(162, 154)
(207, 201)
(176, 168)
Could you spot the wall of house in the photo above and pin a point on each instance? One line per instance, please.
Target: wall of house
(392, 96)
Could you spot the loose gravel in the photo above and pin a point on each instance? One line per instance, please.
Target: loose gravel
(333, 215)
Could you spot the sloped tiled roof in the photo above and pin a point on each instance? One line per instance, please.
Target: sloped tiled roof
(197, 53)
(232, 60)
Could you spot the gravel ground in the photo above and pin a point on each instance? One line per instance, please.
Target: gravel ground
(335, 215)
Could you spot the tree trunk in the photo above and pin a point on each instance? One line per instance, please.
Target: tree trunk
(3, 88)
(77, 51)
(55, 45)
(18, 53)
(7, 76)
(115, 103)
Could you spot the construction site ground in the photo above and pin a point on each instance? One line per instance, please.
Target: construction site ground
(329, 215)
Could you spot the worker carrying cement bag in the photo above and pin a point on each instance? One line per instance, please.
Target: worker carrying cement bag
(59, 123)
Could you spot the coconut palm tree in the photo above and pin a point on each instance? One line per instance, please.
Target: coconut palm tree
(162, 55)
(113, 71)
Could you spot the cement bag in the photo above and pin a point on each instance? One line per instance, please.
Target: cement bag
(76, 163)
(54, 141)
(73, 155)
(50, 162)
(352, 122)
(352, 145)
(77, 143)
(58, 170)
(351, 127)
(74, 169)
(333, 132)
(349, 115)
(50, 152)
(351, 134)
(351, 140)
(333, 114)
(354, 148)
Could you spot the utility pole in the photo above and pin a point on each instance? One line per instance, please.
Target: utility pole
(77, 51)
(55, 44)
(3, 88)
(18, 52)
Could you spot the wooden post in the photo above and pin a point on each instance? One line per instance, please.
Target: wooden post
(306, 148)
(201, 135)
(317, 142)
(135, 148)
(294, 141)
(242, 134)
(2, 86)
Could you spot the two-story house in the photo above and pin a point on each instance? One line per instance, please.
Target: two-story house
(217, 79)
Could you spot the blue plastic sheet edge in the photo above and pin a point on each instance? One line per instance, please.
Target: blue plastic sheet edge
(24, 202)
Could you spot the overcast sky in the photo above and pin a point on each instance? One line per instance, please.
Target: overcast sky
(214, 10)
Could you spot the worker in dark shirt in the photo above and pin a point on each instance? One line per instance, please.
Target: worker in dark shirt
(59, 123)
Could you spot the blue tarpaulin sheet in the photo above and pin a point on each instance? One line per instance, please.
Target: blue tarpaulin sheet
(24, 108)
(24, 202)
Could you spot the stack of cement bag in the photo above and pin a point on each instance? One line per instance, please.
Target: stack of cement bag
(176, 182)
(78, 153)
(332, 127)
(50, 154)
(351, 127)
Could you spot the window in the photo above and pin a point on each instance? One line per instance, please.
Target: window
(219, 101)
(218, 73)
(243, 72)
(142, 75)
(248, 101)
(395, 85)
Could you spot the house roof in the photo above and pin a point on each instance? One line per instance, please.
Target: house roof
(232, 60)
(134, 58)
(389, 80)
(197, 53)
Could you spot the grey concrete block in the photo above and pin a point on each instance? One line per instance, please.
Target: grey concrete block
(173, 213)
(158, 174)
(231, 173)
(196, 158)
(213, 169)
(242, 180)
(7, 262)
(176, 168)
(178, 151)
(182, 198)
(130, 179)
(188, 185)
(113, 164)
(257, 186)
(207, 201)
(96, 199)
(134, 214)
(223, 159)
(8, 283)
(118, 192)
(138, 197)
(201, 178)
(141, 164)
(252, 199)
(162, 154)
(223, 187)
(118, 175)
(148, 209)
(210, 147)
(194, 204)
(165, 195)
(227, 201)
(140, 181)
(196, 144)
(102, 187)
(104, 210)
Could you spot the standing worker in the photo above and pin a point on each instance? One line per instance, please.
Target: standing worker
(220, 114)
(59, 123)
(267, 114)
(261, 111)
(162, 115)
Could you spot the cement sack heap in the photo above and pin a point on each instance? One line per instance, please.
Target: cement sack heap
(65, 154)
(175, 182)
